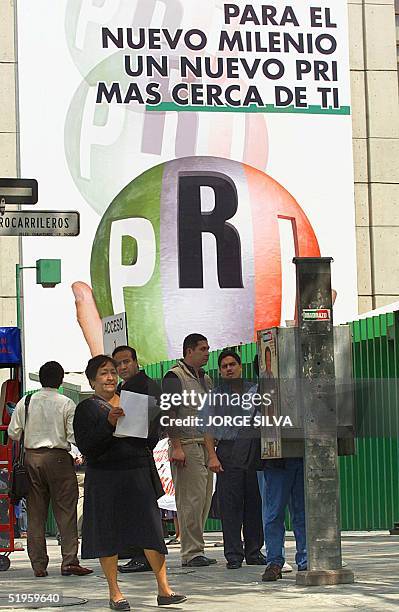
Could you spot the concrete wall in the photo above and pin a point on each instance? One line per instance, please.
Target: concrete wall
(375, 147)
(9, 247)
(9, 253)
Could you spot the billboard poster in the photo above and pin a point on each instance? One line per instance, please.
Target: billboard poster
(269, 383)
(204, 148)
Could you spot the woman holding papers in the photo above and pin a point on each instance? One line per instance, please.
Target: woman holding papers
(120, 504)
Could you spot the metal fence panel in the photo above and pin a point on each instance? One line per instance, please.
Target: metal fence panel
(369, 479)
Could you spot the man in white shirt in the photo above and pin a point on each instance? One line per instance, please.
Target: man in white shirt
(48, 437)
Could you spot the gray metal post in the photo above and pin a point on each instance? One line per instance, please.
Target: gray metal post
(317, 383)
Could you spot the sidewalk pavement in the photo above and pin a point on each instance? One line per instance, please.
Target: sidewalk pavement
(374, 557)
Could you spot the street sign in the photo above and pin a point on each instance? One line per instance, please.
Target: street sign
(316, 314)
(18, 191)
(40, 223)
(10, 345)
(114, 332)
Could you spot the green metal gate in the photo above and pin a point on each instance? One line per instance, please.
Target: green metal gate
(369, 480)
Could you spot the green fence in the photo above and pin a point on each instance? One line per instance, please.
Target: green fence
(369, 480)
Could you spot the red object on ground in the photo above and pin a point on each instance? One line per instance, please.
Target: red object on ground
(7, 516)
(12, 394)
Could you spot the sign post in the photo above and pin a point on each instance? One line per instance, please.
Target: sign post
(18, 191)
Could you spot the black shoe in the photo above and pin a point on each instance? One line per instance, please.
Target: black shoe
(211, 561)
(133, 566)
(233, 564)
(199, 561)
(167, 600)
(272, 573)
(304, 568)
(259, 560)
(122, 604)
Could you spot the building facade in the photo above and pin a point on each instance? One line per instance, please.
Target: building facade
(374, 55)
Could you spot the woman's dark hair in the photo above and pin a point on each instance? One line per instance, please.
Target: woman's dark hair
(95, 363)
(51, 374)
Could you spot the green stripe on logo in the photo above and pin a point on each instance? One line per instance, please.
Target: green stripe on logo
(143, 305)
(268, 108)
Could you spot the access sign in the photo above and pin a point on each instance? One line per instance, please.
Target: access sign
(114, 332)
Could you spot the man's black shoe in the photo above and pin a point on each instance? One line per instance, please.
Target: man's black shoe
(259, 560)
(199, 561)
(133, 566)
(211, 561)
(233, 564)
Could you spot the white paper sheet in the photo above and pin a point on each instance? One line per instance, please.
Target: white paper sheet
(135, 422)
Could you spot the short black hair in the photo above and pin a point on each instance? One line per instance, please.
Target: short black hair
(125, 348)
(191, 341)
(95, 363)
(228, 353)
(51, 374)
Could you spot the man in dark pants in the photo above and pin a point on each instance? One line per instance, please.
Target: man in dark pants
(237, 487)
(136, 380)
(48, 434)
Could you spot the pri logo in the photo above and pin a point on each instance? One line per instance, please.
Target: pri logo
(194, 245)
(107, 144)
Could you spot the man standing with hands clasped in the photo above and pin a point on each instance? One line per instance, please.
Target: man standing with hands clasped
(192, 479)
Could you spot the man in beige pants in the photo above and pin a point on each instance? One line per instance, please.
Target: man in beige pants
(192, 479)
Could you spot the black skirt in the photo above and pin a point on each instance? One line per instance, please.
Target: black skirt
(120, 514)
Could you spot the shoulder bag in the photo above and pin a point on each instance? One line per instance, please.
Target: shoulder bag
(19, 481)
